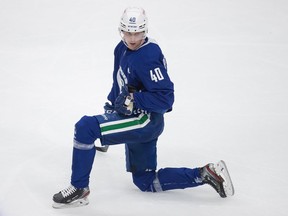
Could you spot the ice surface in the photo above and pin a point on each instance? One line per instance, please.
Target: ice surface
(229, 63)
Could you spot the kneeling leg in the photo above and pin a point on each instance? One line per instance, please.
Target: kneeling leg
(167, 179)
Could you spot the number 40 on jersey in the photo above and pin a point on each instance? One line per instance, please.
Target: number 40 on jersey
(156, 75)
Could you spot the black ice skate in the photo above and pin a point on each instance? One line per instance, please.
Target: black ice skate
(71, 197)
(218, 177)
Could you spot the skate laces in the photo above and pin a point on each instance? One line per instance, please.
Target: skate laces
(68, 191)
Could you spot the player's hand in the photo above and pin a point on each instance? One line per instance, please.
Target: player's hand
(124, 102)
(108, 108)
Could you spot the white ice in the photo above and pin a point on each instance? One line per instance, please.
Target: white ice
(229, 63)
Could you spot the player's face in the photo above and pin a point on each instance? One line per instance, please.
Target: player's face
(133, 39)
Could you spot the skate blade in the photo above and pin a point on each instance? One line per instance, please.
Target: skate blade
(221, 169)
(102, 148)
(76, 203)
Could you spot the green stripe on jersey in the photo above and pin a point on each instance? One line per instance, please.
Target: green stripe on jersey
(125, 124)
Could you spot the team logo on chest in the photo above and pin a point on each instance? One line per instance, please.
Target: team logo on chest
(121, 78)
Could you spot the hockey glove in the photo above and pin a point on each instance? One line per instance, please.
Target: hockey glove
(108, 108)
(124, 102)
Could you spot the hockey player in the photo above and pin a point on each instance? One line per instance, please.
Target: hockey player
(141, 94)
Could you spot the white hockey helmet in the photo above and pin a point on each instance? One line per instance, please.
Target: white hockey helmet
(134, 20)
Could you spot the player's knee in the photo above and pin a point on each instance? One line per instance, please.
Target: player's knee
(87, 129)
(82, 125)
(144, 180)
(140, 186)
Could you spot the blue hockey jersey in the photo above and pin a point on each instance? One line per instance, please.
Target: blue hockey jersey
(144, 70)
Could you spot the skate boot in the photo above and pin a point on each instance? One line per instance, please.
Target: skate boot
(71, 197)
(218, 177)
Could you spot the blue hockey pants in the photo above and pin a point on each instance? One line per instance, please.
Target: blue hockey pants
(139, 134)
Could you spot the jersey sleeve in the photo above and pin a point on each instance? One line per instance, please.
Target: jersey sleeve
(114, 92)
(158, 89)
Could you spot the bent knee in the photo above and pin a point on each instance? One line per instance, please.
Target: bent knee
(87, 130)
(84, 123)
(141, 187)
(144, 180)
